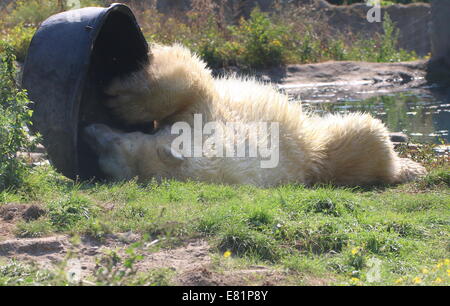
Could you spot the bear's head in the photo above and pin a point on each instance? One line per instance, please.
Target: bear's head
(124, 156)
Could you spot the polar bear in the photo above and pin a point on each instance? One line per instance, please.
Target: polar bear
(177, 87)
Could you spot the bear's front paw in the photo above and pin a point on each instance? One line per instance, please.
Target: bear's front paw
(130, 108)
(128, 97)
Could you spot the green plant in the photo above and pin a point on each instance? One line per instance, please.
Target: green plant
(69, 210)
(269, 39)
(326, 238)
(388, 48)
(264, 43)
(19, 274)
(309, 49)
(20, 19)
(19, 37)
(383, 47)
(15, 116)
(241, 241)
(32, 12)
(33, 229)
(113, 269)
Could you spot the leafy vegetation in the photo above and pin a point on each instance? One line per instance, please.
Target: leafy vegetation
(265, 40)
(15, 115)
(261, 40)
(19, 38)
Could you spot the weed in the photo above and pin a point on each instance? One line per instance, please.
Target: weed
(34, 229)
(241, 241)
(69, 210)
(15, 117)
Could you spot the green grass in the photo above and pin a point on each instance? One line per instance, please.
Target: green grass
(336, 233)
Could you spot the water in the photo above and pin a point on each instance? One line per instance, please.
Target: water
(423, 114)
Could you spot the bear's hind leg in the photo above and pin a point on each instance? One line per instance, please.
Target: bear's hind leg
(358, 150)
(409, 171)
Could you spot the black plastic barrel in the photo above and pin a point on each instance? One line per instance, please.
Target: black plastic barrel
(71, 59)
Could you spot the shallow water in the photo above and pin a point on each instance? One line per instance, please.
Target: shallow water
(423, 114)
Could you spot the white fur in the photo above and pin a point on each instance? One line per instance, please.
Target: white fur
(346, 150)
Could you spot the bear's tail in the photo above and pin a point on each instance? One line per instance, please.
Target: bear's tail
(409, 171)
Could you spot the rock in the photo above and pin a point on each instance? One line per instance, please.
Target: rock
(354, 76)
(399, 137)
(31, 157)
(40, 149)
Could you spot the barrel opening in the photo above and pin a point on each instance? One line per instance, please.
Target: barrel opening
(118, 50)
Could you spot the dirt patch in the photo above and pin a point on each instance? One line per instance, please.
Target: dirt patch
(316, 281)
(193, 255)
(33, 212)
(12, 213)
(200, 277)
(32, 247)
(190, 262)
(252, 277)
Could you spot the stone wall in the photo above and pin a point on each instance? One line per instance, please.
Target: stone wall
(439, 66)
(440, 30)
(412, 21)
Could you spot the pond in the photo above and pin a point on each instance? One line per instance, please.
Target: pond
(423, 114)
